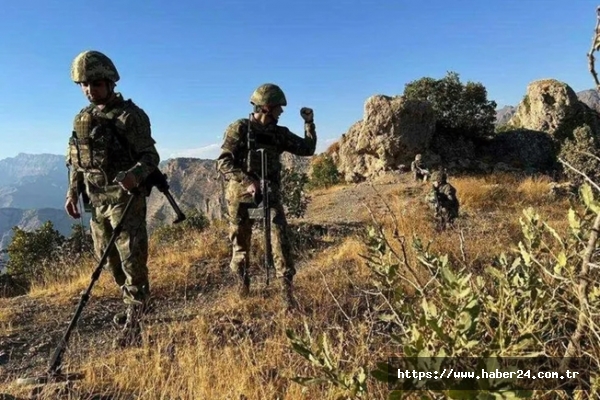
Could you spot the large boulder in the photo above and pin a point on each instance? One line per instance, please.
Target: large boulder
(553, 107)
(391, 132)
(547, 116)
(522, 149)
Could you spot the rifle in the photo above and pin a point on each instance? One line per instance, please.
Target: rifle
(159, 180)
(262, 200)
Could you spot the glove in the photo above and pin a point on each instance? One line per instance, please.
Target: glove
(306, 114)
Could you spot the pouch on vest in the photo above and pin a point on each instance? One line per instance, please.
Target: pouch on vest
(267, 140)
(91, 142)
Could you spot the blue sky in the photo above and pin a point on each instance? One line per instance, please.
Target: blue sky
(192, 65)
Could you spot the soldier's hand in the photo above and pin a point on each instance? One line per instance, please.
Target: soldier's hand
(127, 180)
(71, 208)
(307, 114)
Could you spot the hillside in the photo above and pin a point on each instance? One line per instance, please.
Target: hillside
(32, 191)
(203, 342)
(32, 219)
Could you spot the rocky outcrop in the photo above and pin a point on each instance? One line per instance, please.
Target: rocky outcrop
(391, 132)
(547, 116)
(195, 184)
(553, 107)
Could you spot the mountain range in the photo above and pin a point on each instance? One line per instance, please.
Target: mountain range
(33, 186)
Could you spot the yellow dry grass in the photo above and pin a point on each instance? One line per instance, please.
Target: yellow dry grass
(236, 349)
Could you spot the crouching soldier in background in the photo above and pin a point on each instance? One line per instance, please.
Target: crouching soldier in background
(442, 199)
(112, 143)
(420, 172)
(242, 170)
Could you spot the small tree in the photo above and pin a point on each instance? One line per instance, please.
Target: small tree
(462, 109)
(324, 172)
(30, 252)
(79, 241)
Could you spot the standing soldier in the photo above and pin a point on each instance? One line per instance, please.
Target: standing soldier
(112, 137)
(242, 171)
(442, 198)
(420, 173)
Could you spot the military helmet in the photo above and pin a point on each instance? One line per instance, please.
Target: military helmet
(268, 94)
(439, 177)
(92, 65)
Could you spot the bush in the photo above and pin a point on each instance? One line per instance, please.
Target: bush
(532, 300)
(168, 234)
(324, 172)
(573, 151)
(30, 253)
(294, 198)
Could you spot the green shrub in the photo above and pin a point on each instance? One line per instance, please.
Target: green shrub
(324, 172)
(531, 300)
(293, 192)
(195, 220)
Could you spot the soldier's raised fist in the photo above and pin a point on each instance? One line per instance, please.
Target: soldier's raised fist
(307, 114)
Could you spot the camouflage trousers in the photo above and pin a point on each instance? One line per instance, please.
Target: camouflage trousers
(127, 259)
(446, 215)
(240, 232)
(420, 176)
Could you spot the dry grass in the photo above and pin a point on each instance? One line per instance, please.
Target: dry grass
(237, 349)
(7, 316)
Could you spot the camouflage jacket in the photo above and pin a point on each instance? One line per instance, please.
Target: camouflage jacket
(417, 166)
(444, 197)
(236, 163)
(124, 143)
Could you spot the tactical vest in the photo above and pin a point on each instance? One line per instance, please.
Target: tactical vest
(264, 138)
(99, 150)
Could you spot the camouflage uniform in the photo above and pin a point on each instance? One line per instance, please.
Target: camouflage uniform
(105, 142)
(240, 169)
(420, 173)
(442, 199)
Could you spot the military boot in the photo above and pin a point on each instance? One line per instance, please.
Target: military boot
(120, 318)
(131, 334)
(288, 294)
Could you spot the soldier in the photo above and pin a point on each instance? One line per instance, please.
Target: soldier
(442, 198)
(112, 138)
(241, 169)
(420, 173)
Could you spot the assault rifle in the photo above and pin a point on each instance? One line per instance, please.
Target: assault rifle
(159, 180)
(262, 199)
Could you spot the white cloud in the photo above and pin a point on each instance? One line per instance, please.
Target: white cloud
(209, 152)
